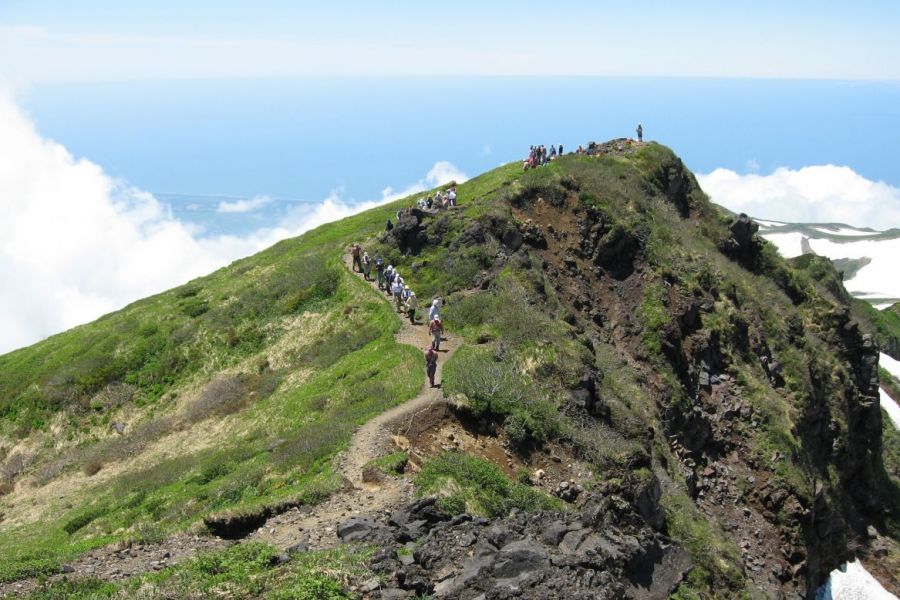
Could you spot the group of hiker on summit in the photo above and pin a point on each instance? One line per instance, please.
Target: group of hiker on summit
(392, 283)
(538, 156)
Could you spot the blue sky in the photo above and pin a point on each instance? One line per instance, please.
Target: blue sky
(90, 41)
(146, 143)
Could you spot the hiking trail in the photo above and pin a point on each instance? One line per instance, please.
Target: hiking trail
(314, 526)
(303, 527)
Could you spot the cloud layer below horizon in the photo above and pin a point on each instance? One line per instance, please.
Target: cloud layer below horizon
(814, 194)
(76, 244)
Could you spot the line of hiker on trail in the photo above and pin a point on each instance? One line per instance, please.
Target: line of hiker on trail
(404, 299)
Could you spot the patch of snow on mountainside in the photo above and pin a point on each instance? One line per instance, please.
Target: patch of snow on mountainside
(853, 582)
(890, 365)
(890, 407)
(874, 281)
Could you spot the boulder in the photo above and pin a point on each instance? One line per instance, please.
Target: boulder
(520, 558)
(356, 529)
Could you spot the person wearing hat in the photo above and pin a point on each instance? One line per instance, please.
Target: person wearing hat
(434, 310)
(379, 271)
(389, 275)
(436, 329)
(412, 303)
(367, 265)
(397, 290)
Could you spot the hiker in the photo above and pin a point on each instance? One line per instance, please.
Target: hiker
(388, 226)
(434, 310)
(379, 271)
(397, 289)
(431, 358)
(436, 328)
(451, 195)
(640, 132)
(412, 303)
(388, 278)
(367, 265)
(560, 153)
(355, 251)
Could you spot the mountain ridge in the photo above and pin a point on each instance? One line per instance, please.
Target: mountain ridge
(606, 308)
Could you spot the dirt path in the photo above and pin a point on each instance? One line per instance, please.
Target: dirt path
(310, 527)
(313, 527)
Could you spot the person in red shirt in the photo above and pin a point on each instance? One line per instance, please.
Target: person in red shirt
(436, 328)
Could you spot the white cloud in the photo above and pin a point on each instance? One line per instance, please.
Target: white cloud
(75, 243)
(442, 172)
(242, 206)
(816, 194)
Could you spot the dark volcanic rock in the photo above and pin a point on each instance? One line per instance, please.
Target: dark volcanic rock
(743, 246)
(605, 552)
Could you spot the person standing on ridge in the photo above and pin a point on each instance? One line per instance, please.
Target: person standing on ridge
(560, 150)
(431, 358)
(355, 251)
(640, 132)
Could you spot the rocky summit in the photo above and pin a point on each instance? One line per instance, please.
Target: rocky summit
(628, 394)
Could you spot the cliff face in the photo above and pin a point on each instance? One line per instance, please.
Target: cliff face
(747, 391)
(700, 408)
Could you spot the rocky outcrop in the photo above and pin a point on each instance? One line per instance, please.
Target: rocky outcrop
(408, 233)
(743, 245)
(603, 552)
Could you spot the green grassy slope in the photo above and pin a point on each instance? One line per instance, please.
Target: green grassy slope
(234, 390)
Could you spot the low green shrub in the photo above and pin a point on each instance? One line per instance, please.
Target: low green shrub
(469, 484)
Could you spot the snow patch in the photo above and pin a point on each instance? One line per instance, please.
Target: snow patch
(852, 582)
(890, 365)
(890, 407)
(788, 244)
(844, 231)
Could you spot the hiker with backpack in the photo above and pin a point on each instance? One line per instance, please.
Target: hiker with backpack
(435, 309)
(412, 303)
(388, 279)
(355, 251)
(397, 290)
(431, 358)
(640, 132)
(436, 328)
(367, 265)
(379, 271)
